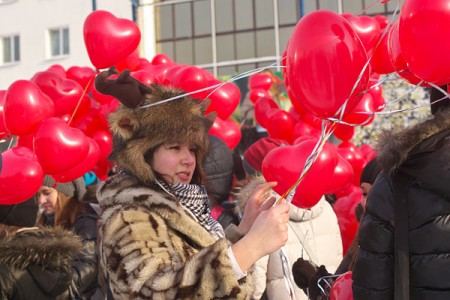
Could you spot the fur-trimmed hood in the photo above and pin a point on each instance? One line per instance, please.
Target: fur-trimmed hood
(395, 145)
(45, 254)
(49, 247)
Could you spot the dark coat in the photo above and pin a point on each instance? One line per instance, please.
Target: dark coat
(36, 264)
(85, 265)
(422, 152)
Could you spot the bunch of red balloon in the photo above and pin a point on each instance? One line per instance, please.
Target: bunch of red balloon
(59, 118)
(325, 71)
(113, 41)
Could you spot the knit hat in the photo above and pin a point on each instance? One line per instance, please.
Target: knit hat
(23, 214)
(370, 171)
(145, 121)
(76, 188)
(218, 167)
(438, 100)
(254, 155)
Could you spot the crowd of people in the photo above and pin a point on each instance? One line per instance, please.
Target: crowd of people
(185, 217)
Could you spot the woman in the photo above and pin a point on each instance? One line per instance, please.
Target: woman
(63, 207)
(35, 263)
(157, 238)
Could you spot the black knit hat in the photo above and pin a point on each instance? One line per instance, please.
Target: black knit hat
(76, 188)
(438, 100)
(23, 214)
(370, 171)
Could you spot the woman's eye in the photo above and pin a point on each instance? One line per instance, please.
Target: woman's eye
(193, 149)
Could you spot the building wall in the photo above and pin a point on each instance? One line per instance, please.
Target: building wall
(31, 19)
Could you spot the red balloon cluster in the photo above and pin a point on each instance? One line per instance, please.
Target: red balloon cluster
(59, 118)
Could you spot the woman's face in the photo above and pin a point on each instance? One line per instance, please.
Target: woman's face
(175, 162)
(365, 188)
(46, 198)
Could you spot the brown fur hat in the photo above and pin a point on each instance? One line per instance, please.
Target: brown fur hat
(139, 126)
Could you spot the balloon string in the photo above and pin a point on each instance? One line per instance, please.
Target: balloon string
(79, 101)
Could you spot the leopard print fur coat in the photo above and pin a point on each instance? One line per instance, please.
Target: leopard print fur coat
(152, 248)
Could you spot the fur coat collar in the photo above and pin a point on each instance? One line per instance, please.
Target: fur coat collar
(421, 151)
(46, 254)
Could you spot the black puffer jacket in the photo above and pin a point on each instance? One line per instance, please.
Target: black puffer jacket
(218, 167)
(422, 152)
(36, 264)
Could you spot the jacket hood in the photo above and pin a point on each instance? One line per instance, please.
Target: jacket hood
(422, 152)
(46, 253)
(395, 144)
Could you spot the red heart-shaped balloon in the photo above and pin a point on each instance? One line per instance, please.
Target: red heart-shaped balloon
(83, 75)
(59, 147)
(227, 131)
(342, 287)
(255, 94)
(367, 29)
(109, 39)
(21, 175)
(65, 93)
(25, 107)
(342, 176)
(285, 164)
(323, 40)
(3, 130)
(344, 208)
(104, 140)
(82, 167)
(354, 156)
(264, 107)
(281, 125)
(225, 99)
(260, 81)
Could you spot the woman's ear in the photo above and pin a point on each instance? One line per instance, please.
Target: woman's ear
(123, 124)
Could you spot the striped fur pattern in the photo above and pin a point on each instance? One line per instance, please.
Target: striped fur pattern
(152, 248)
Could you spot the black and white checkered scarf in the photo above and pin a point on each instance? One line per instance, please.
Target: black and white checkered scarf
(195, 198)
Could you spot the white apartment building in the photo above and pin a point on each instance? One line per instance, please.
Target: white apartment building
(36, 34)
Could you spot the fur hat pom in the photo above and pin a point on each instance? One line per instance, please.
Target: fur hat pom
(154, 122)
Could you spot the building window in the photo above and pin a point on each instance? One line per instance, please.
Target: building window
(10, 49)
(59, 41)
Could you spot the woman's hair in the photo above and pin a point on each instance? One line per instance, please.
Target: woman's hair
(66, 211)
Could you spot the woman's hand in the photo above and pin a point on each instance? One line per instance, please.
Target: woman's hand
(268, 233)
(260, 200)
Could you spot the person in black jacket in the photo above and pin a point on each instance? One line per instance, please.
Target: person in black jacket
(421, 154)
(34, 263)
(219, 170)
(64, 207)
